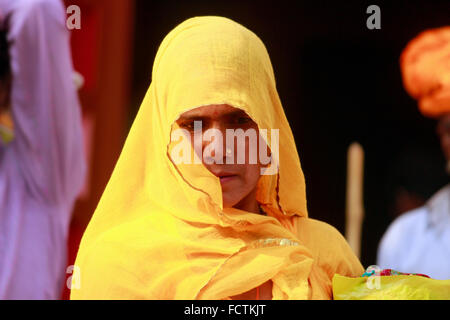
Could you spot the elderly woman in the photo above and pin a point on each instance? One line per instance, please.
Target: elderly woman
(182, 217)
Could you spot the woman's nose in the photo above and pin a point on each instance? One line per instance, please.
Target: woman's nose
(214, 147)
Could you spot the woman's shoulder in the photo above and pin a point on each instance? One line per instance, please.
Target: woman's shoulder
(312, 230)
(329, 247)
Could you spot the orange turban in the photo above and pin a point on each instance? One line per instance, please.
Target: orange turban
(425, 65)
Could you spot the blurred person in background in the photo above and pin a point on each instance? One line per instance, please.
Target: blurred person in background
(419, 240)
(42, 168)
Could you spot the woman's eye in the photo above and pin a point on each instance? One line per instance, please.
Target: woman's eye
(189, 125)
(243, 120)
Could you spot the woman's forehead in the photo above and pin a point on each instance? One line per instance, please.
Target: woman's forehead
(213, 111)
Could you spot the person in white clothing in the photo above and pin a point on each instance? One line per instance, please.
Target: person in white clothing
(419, 240)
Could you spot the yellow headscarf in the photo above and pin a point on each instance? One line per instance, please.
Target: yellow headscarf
(425, 65)
(159, 231)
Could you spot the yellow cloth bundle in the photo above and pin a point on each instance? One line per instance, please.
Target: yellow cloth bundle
(396, 287)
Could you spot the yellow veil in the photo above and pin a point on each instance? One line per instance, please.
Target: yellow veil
(159, 231)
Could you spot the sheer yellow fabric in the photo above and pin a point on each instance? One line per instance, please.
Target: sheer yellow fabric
(160, 232)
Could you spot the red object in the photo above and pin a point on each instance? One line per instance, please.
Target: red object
(75, 234)
(390, 272)
(85, 46)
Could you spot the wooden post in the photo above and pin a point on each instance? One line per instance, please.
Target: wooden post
(354, 198)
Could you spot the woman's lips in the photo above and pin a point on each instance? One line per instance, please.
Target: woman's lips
(225, 179)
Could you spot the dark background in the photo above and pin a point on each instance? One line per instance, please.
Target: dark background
(339, 82)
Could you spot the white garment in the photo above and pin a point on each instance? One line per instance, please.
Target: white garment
(42, 170)
(419, 241)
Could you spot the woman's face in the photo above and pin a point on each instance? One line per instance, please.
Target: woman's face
(238, 180)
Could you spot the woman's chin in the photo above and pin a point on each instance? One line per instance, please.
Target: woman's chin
(229, 204)
(231, 200)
